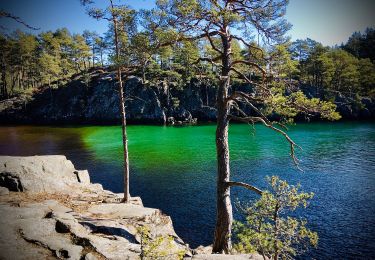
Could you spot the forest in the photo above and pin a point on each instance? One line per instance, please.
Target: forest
(30, 61)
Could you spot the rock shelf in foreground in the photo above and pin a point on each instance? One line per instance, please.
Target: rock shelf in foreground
(50, 210)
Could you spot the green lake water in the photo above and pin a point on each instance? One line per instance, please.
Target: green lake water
(174, 169)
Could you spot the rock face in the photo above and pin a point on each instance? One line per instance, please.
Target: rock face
(49, 210)
(98, 103)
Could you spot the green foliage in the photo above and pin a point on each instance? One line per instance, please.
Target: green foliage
(289, 105)
(30, 61)
(269, 229)
(157, 247)
(362, 45)
(281, 62)
(345, 75)
(336, 70)
(366, 71)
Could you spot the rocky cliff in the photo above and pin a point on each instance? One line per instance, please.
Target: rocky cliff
(97, 102)
(50, 210)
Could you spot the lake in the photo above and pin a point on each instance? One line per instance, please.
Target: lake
(174, 169)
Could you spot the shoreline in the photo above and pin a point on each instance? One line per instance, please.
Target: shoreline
(72, 124)
(59, 213)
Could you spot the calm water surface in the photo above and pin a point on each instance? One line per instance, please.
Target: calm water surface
(173, 168)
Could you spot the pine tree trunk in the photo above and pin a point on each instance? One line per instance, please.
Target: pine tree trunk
(224, 215)
(126, 198)
(224, 218)
(4, 90)
(93, 55)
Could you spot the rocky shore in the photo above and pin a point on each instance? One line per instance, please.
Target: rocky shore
(50, 210)
(97, 102)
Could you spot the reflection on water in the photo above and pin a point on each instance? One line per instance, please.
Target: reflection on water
(173, 168)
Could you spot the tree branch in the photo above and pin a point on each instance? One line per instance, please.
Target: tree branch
(244, 185)
(213, 45)
(17, 19)
(212, 61)
(293, 145)
(249, 81)
(250, 46)
(251, 64)
(183, 38)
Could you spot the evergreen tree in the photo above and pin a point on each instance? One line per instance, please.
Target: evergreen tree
(220, 23)
(269, 229)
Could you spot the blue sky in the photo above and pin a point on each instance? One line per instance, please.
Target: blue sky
(328, 21)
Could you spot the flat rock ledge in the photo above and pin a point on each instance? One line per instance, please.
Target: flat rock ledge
(50, 210)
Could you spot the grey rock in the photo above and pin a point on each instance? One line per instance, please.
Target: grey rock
(76, 225)
(4, 191)
(227, 257)
(39, 174)
(122, 210)
(12, 246)
(83, 176)
(43, 232)
(91, 256)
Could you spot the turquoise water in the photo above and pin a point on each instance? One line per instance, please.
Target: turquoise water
(173, 168)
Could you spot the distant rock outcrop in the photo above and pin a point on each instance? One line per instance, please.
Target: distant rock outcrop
(98, 103)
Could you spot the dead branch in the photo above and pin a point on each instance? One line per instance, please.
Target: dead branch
(17, 19)
(252, 82)
(251, 64)
(244, 185)
(293, 145)
(212, 61)
(250, 46)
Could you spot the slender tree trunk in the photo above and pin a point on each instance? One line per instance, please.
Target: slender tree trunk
(126, 198)
(4, 92)
(224, 215)
(14, 78)
(206, 95)
(93, 55)
(276, 231)
(144, 73)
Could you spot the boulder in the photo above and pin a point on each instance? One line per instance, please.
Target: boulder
(122, 211)
(3, 191)
(48, 174)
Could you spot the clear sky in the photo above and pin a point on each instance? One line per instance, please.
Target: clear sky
(327, 21)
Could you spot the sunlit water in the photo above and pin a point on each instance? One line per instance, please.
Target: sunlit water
(173, 168)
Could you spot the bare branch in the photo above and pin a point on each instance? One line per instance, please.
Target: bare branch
(293, 145)
(251, 64)
(247, 98)
(250, 46)
(182, 38)
(213, 45)
(251, 82)
(212, 61)
(244, 185)
(17, 19)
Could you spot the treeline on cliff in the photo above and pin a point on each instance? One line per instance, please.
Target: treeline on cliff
(343, 73)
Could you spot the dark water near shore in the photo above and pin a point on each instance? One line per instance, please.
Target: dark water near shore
(173, 168)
